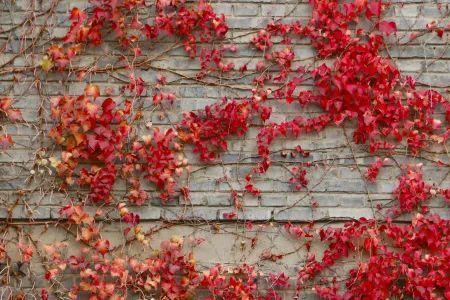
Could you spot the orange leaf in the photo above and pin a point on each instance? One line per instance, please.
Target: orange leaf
(14, 114)
(92, 90)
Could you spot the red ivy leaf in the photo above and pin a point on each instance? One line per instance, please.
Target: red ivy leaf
(387, 27)
(5, 141)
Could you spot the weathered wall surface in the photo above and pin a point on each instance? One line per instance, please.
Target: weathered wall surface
(336, 186)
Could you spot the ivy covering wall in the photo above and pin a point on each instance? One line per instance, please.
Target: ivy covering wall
(232, 149)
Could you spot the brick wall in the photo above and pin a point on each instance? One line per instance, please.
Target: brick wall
(336, 184)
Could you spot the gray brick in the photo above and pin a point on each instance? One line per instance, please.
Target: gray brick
(246, 9)
(269, 199)
(293, 214)
(147, 212)
(223, 8)
(196, 213)
(194, 199)
(353, 212)
(219, 199)
(28, 213)
(249, 213)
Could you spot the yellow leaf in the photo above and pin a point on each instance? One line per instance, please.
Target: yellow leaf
(46, 63)
(54, 162)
